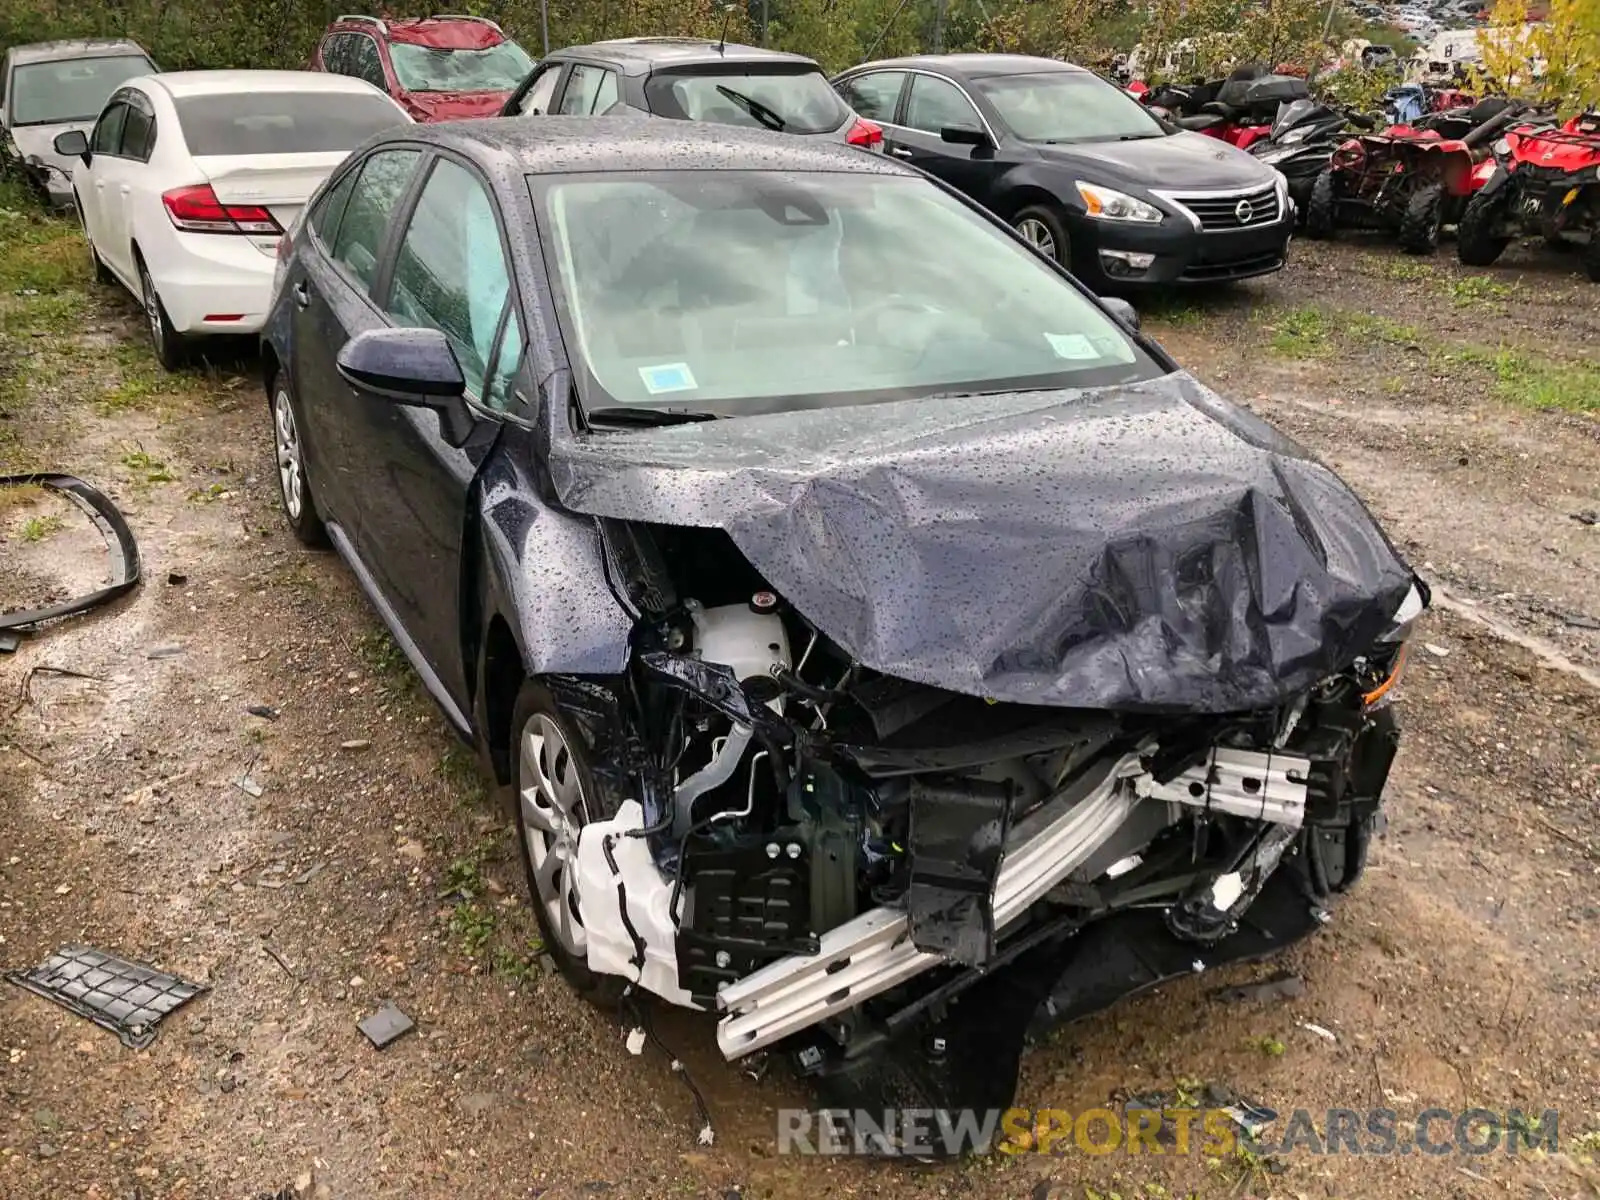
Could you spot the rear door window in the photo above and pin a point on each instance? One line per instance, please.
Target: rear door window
(358, 243)
(591, 91)
(874, 95)
(283, 122)
(795, 101)
(937, 104)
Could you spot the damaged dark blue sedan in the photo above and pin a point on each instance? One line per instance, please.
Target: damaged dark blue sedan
(884, 646)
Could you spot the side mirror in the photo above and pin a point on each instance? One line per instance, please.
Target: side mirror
(72, 144)
(961, 135)
(1121, 310)
(413, 367)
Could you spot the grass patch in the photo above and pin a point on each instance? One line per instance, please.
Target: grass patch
(1479, 289)
(1532, 383)
(153, 470)
(1301, 333)
(1368, 328)
(36, 529)
(56, 313)
(1403, 270)
(1172, 310)
(1268, 1045)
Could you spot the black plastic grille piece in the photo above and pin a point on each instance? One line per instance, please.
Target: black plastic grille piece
(125, 997)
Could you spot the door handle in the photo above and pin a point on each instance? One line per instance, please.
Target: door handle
(899, 152)
(99, 185)
(302, 295)
(124, 189)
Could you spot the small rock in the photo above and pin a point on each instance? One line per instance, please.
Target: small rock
(340, 1074)
(63, 889)
(1588, 516)
(1436, 651)
(355, 744)
(46, 1150)
(43, 1118)
(177, 578)
(249, 786)
(265, 711)
(170, 650)
(412, 849)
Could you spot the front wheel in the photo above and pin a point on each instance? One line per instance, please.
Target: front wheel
(1423, 221)
(1479, 241)
(1321, 210)
(1042, 229)
(556, 797)
(1591, 254)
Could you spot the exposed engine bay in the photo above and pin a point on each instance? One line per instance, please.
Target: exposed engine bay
(828, 857)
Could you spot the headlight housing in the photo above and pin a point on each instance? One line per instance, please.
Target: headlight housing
(1501, 148)
(1106, 204)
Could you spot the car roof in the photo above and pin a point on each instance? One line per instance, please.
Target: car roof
(67, 49)
(570, 145)
(974, 66)
(212, 83)
(643, 55)
(452, 31)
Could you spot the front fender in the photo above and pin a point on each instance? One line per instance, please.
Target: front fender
(1020, 186)
(545, 573)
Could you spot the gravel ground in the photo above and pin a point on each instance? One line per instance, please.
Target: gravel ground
(373, 866)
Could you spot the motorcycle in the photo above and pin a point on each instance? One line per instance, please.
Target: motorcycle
(1411, 179)
(1301, 141)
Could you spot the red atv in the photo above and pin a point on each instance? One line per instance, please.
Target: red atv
(1547, 185)
(1410, 180)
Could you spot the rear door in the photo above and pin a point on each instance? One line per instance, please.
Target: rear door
(333, 302)
(128, 170)
(450, 271)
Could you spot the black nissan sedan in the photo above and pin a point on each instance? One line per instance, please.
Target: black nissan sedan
(845, 626)
(1082, 170)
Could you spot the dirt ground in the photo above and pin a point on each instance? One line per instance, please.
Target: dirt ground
(372, 865)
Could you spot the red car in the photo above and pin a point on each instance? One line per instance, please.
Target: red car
(438, 68)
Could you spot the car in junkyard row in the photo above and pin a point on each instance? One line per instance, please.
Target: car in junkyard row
(51, 88)
(887, 669)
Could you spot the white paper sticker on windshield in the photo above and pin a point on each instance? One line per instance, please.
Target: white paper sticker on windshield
(668, 377)
(1071, 346)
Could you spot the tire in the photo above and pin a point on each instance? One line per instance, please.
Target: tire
(1041, 228)
(1423, 221)
(1322, 211)
(553, 788)
(1477, 242)
(1591, 254)
(294, 484)
(170, 346)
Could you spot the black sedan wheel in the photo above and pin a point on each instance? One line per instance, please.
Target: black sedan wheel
(1042, 229)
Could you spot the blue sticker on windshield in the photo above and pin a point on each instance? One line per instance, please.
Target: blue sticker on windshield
(669, 377)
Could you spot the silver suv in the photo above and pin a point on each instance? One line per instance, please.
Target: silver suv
(47, 88)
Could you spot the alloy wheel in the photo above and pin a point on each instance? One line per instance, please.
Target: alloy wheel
(1037, 234)
(554, 810)
(152, 313)
(290, 471)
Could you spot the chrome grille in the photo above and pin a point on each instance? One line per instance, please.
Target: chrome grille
(1233, 212)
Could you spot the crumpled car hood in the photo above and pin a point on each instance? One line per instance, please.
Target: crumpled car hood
(1148, 547)
(38, 141)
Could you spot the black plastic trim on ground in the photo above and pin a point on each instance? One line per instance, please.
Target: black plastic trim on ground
(127, 998)
(109, 519)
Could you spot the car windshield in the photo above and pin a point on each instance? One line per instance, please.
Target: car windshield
(73, 89)
(433, 69)
(312, 122)
(735, 292)
(1067, 106)
(796, 101)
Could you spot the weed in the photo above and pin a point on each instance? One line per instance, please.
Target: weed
(1173, 311)
(1532, 383)
(153, 469)
(1587, 1143)
(518, 967)
(1300, 333)
(1395, 385)
(1367, 328)
(43, 314)
(1478, 289)
(474, 925)
(458, 769)
(1268, 1045)
(36, 529)
(208, 494)
(381, 653)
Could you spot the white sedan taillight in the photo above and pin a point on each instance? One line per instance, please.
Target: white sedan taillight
(197, 210)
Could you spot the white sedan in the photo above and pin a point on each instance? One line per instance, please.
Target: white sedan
(189, 180)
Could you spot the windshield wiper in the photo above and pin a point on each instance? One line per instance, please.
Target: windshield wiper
(643, 417)
(755, 108)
